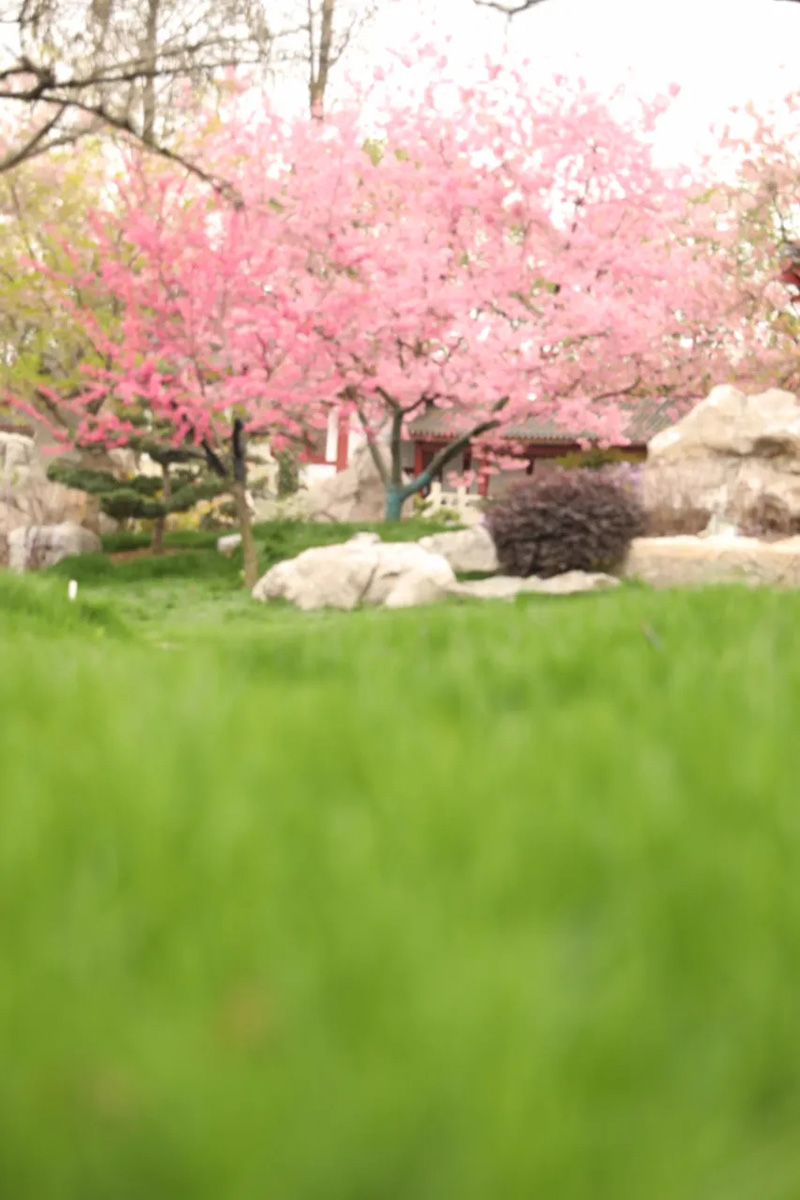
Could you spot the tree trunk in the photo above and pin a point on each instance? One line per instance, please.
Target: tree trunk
(160, 523)
(395, 498)
(150, 58)
(157, 537)
(92, 518)
(288, 473)
(320, 57)
(249, 552)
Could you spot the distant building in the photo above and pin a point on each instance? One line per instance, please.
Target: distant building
(535, 442)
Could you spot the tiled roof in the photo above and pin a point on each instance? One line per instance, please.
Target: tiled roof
(647, 418)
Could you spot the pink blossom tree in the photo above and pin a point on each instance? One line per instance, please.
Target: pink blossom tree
(502, 254)
(495, 253)
(487, 250)
(190, 344)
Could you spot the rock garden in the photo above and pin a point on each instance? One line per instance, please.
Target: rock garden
(717, 501)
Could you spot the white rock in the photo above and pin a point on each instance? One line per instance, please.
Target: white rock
(106, 524)
(358, 572)
(571, 582)
(718, 527)
(228, 543)
(355, 494)
(506, 587)
(465, 549)
(27, 497)
(364, 539)
(416, 587)
(685, 561)
(36, 546)
(498, 587)
(728, 457)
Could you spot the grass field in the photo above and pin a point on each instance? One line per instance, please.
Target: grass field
(476, 902)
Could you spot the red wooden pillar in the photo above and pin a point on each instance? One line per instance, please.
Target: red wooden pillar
(419, 458)
(483, 476)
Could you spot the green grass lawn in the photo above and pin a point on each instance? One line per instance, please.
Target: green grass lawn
(477, 902)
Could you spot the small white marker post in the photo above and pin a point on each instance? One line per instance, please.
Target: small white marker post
(72, 589)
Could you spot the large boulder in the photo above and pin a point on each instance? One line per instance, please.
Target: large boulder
(33, 547)
(355, 494)
(734, 457)
(361, 571)
(685, 561)
(465, 549)
(27, 496)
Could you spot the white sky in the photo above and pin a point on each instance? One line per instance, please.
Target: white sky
(722, 52)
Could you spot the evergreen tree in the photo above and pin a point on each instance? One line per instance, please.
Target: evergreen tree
(185, 480)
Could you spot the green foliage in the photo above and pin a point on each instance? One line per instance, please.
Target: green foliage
(94, 482)
(125, 502)
(191, 490)
(40, 604)
(200, 562)
(191, 539)
(288, 472)
(594, 458)
(45, 203)
(446, 517)
(374, 148)
(564, 522)
(188, 564)
(141, 497)
(118, 498)
(270, 930)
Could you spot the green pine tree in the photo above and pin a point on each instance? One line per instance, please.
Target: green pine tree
(185, 480)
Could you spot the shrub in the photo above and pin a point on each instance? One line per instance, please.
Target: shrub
(568, 521)
(595, 459)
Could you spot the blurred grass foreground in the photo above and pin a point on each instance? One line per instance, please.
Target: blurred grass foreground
(472, 902)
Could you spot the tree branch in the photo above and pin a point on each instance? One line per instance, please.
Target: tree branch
(36, 144)
(375, 454)
(238, 451)
(123, 124)
(450, 451)
(395, 444)
(214, 461)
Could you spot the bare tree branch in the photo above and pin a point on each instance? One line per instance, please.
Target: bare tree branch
(37, 143)
(75, 66)
(117, 62)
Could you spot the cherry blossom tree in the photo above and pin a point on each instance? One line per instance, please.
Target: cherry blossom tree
(503, 254)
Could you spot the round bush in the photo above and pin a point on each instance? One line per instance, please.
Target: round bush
(570, 521)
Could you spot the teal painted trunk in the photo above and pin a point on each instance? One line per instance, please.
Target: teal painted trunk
(394, 503)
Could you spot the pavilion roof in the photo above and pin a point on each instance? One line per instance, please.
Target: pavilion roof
(645, 418)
